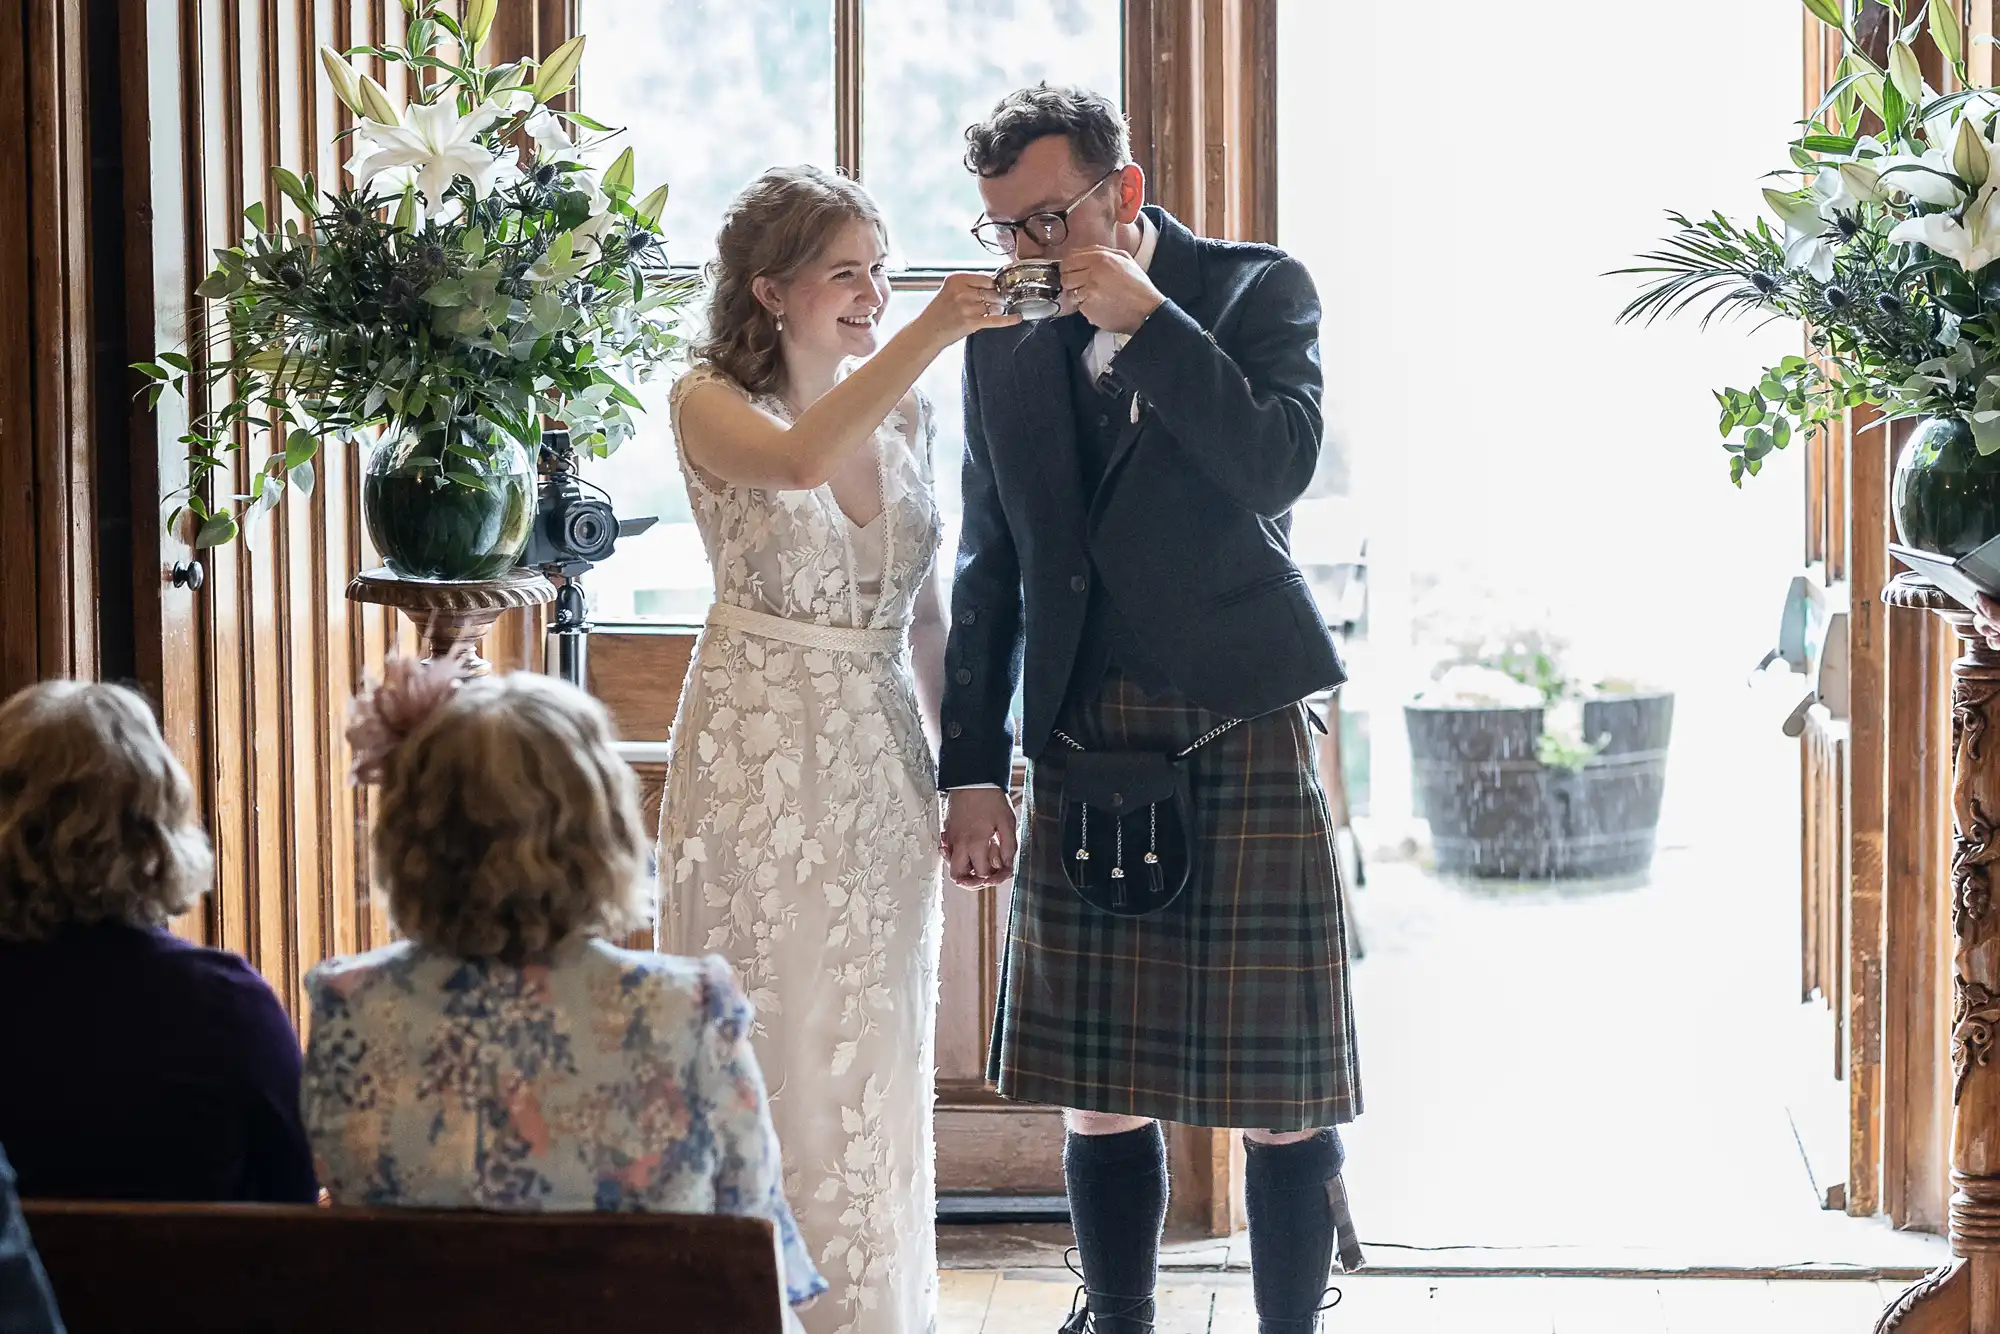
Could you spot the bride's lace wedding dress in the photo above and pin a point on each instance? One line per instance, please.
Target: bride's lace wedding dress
(799, 840)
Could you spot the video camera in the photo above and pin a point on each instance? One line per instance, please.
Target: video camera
(573, 531)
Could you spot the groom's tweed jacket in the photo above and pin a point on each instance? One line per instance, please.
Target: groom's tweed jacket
(1189, 530)
(1231, 1007)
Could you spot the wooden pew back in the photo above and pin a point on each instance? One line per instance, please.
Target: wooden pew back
(284, 1269)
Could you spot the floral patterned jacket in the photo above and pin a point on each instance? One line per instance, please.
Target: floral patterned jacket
(597, 1079)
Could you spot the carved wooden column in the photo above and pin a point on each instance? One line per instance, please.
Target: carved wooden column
(1965, 1295)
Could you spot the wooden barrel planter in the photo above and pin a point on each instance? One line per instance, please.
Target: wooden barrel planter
(1497, 811)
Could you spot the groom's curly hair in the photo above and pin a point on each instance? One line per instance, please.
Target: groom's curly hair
(1091, 121)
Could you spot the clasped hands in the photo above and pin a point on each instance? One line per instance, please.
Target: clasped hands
(979, 839)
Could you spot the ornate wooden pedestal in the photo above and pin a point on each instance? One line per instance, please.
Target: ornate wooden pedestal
(1965, 1295)
(452, 615)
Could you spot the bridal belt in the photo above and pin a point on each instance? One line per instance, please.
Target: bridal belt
(831, 638)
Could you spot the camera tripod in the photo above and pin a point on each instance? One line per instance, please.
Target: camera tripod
(567, 652)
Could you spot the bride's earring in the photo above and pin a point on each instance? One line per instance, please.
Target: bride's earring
(781, 323)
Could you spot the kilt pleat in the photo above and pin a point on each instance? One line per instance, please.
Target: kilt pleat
(1230, 1007)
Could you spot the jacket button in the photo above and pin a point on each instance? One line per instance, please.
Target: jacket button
(954, 731)
(1077, 583)
(965, 618)
(1117, 798)
(963, 676)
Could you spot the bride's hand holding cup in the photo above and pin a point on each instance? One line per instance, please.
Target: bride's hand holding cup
(967, 303)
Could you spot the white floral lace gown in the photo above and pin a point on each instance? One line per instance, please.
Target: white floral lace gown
(799, 840)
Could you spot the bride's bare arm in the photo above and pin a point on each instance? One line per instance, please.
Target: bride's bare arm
(732, 440)
(927, 636)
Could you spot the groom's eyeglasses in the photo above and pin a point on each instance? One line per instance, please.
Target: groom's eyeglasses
(1047, 229)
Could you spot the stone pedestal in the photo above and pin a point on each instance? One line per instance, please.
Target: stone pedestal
(451, 616)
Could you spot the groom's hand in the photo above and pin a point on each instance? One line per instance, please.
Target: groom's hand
(979, 836)
(1110, 288)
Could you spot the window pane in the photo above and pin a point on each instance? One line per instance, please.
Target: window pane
(710, 92)
(674, 73)
(662, 574)
(932, 67)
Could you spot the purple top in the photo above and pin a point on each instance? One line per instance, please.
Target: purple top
(136, 1066)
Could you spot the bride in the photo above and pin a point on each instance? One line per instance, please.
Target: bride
(799, 836)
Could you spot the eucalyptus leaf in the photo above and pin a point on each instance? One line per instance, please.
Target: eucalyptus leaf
(217, 530)
(300, 446)
(1986, 432)
(254, 215)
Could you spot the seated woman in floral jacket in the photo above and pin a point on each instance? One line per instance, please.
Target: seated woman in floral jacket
(504, 1056)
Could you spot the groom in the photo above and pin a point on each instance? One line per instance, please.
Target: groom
(1129, 474)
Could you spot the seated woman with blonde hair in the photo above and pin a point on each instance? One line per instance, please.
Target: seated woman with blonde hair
(133, 1065)
(504, 1056)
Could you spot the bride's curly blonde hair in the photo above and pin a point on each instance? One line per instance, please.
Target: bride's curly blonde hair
(781, 222)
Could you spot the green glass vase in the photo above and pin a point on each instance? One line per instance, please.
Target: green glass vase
(430, 525)
(1945, 495)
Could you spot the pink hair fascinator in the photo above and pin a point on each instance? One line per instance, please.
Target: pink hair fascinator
(384, 715)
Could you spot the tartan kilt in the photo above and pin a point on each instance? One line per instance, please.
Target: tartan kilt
(1231, 1006)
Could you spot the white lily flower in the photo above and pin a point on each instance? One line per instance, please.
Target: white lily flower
(552, 141)
(1860, 182)
(1972, 242)
(1835, 195)
(1979, 108)
(434, 146)
(590, 232)
(1811, 252)
(1806, 243)
(1928, 178)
